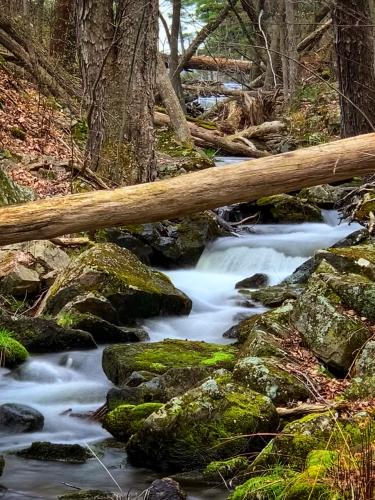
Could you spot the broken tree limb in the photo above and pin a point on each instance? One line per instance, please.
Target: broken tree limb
(313, 37)
(190, 193)
(260, 131)
(212, 138)
(216, 63)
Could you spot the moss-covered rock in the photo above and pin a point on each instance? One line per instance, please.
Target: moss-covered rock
(125, 420)
(270, 486)
(267, 376)
(42, 335)
(115, 274)
(324, 196)
(90, 495)
(257, 280)
(358, 259)
(286, 208)
(360, 388)
(119, 361)
(332, 335)
(227, 469)
(274, 296)
(210, 422)
(43, 450)
(11, 193)
(12, 353)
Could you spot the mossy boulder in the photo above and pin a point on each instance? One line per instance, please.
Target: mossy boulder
(286, 208)
(119, 361)
(90, 495)
(257, 280)
(125, 420)
(274, 296)
(39, 335)
(53, 452)
(11, 351)
(269, 486)
(364, 365)
(267, 376)
(11, 193)
(175, 243)
(143, 387)
(227, 469)
(324, 196)
(115, 274)
(358, 259)
(332, 335)
(360, 388)
(211, 422)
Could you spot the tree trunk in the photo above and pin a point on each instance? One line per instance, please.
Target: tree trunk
(172, 105)
(355, 65)
(63, 38)
(210, 188)
(291, 45)
(174, 74)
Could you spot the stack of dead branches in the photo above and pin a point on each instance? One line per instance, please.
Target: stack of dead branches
(359, 204)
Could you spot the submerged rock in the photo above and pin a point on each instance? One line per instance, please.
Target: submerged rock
(17, 418)
(285, 208)
(165, 489)
(119, 361)
(258, 280)
(117, 276)
(196, 428)
(43, 450)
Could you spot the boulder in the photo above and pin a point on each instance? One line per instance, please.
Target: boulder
(119, 361)
(227, 469)
(42, 335)
(2, 464)
(327, 330)
(274, 296)
(90, 495)
(17, 418)
(364, 365)
(359, 259)
(11, 193)
(165, 489)
(117, 276)
(17, 276)
(53, 452)
(192, 430)
(258, 280)
(12, 352)
(324, 196)
(168, 244)
(285, 208)
(267, 376)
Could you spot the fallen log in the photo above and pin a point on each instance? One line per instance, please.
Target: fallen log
(212, 138)
(211, 63)
(260, 131)
(190, 193)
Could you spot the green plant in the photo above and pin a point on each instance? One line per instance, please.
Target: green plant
(11, 351)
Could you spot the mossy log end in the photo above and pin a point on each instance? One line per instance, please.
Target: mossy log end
(186, 194)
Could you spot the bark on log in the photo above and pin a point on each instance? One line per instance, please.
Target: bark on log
(214, 139)
(189, 193)
(260, 131)
(216, 63)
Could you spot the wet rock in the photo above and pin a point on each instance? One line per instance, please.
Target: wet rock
(126, 419)
(165, 489)
(115, 274)
(274, 296)
(119, 361)
(258, 280)
(196, 428)
(285, 208)
(331, 334)
(267, 376)
(174, 243)
(53, 452)
(41, 335)
(11, 193)
(324, 196)
(358, 259)
(17, 418)
(12, 352)
(90, 495)
(159, 388)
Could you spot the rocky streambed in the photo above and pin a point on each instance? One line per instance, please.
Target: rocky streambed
(246, 365)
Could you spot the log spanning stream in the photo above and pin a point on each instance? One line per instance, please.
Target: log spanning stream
(55, 383)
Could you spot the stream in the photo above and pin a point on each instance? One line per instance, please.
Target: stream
(54, 383)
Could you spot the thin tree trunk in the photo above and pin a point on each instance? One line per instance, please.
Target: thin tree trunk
(173, 58)
(290, 19)
(355, 65)
(191, 193)
(63, 38)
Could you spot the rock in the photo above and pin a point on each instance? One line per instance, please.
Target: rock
(165, 489)
(90, 495)
(324, 196)
(101, 330)
(119, 361)
(364, 365)
(267, 376)
(176, 243)
(2, 464)
(160, 388)
(285, 208)
(258, 280)
(358, 259)
(115, 274)
(274, 296)
(361, 388)
(333, 336)
(227, 469)
(16, 418)
(11, 193)
(42, 335)
(196, 428)
(12, 352)
(17, 277)
(43, 450)
(126, 419)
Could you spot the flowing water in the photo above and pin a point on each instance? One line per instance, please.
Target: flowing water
(56, 383)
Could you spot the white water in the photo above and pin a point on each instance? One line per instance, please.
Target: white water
(55, 383)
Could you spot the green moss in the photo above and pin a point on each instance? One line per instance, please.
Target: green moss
(11, 193)
(18, 133)
(79, 131)
(126, 419)
(226, 469)
(12, 352)
(286, 208)
(266, 487)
